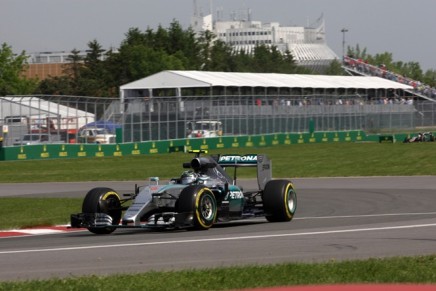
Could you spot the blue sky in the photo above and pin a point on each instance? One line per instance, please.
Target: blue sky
(403, 27)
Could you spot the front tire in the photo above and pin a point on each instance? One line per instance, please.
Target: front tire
(200, 201)
(103, 200)
(279, 201)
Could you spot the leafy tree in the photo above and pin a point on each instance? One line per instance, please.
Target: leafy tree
(69, 82)
(141, 61)
(242, 61)
(357, 52)
(93, 73)
(410, 69)
(59, 85)
(112, 68)
(12, 81)
(289, 66)
(135, 37)
(221, 58)
(74, 71)
(205, 53)
(265, 59)
(74, 67)
(384, 59)
(161, 39)
(335, 68)
(430, 78)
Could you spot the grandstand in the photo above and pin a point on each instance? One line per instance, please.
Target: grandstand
(357, 67)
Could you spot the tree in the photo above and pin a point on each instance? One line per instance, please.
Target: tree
(74, 71)
(384, 59)
(221, 58)
(242, 61)
(67, 84)
(335, 68)
(265, 59)
(410, 69)
(60, 85)
(289, 66)
(206, 45)
(430, 78)
(356, 52)
(161, 39)
(135, 37)
(12, 67)
(93, 73)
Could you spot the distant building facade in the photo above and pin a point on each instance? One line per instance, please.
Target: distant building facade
(43, 71)
(43, 65)
(306, 44)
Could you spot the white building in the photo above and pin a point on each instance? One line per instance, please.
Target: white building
(306, 44)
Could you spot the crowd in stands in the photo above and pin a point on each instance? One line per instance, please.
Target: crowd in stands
(345, 100)
(381, 71)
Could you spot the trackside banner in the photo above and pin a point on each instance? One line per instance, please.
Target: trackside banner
(240, 160)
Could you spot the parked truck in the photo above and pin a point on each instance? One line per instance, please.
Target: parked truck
(96, 135)
(204, 128)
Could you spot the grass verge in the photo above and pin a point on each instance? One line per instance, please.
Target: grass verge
(299, 160)
(30, 212)
(418, 270)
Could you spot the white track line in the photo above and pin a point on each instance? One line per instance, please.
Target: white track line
(219, 239)
(54, 230)
(367, 215)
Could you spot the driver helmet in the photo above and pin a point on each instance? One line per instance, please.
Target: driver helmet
(188, 177)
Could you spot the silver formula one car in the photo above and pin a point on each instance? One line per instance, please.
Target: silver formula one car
(203, 195)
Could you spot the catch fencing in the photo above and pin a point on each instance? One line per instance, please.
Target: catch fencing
(167, 118)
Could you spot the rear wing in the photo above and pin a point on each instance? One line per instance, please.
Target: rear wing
(262, 162)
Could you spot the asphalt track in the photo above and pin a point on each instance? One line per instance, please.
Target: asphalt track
(337, 219)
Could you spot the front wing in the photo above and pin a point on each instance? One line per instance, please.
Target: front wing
(158, 220)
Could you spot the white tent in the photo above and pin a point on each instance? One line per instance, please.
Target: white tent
(197, 79)
(31, 105)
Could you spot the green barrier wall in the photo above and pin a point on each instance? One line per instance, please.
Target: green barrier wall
(64, 151)
(389, 138)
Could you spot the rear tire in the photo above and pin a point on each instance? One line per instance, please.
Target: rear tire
(200, 201)
(279, 200)
(103, 200)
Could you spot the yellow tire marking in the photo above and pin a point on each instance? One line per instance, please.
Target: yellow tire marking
(107, 194)
(197, 212)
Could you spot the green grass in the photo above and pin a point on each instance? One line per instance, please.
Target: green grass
(419, 270)
(37, 211)
(307, 160)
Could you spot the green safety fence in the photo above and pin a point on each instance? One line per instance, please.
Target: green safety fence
(63, 151)
(389, 138)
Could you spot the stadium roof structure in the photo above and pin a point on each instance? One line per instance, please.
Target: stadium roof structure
(203, 79)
